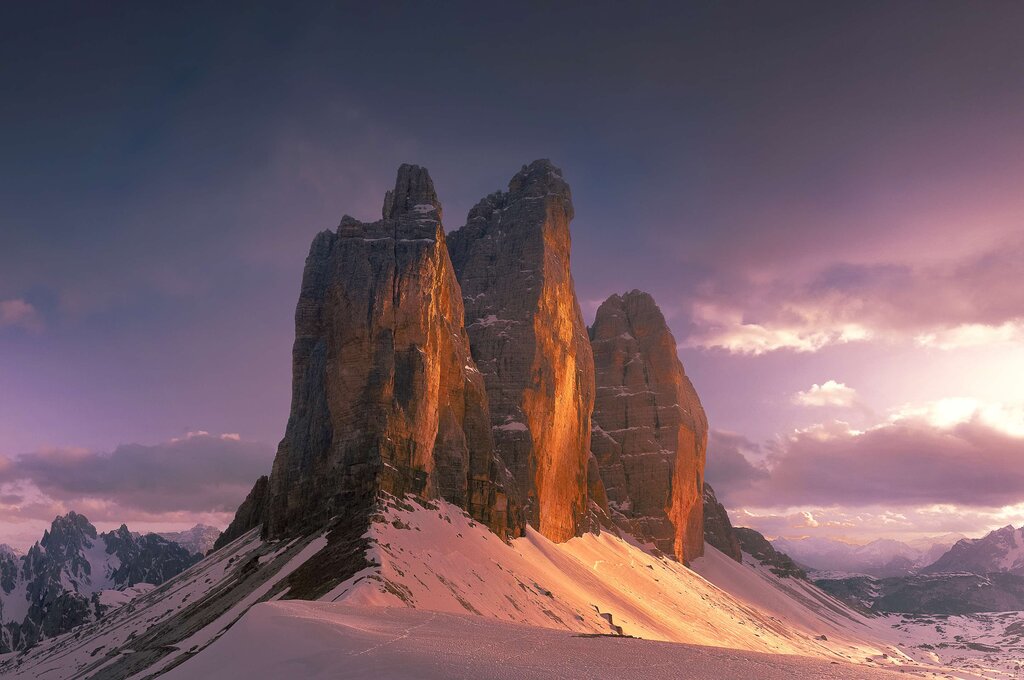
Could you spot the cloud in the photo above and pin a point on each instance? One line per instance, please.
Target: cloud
(17, 313)
(948, 452)
(829, 393)
(198, 473)
(728, 461)
(970, 301)
(973, 335)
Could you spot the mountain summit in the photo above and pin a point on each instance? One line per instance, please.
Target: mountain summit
(386, 397)
(529, 341)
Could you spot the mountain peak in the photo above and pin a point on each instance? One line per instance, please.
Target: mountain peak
(413, 193)
(541, 179)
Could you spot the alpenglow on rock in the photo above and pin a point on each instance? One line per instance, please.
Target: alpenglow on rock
(385, 394)
(650, 431)
(530, 342)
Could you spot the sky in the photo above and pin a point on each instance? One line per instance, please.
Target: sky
(824, 199)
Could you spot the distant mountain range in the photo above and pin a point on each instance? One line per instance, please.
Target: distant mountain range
(75, 574)
(881, 558)
(198, 540)
(974, 575)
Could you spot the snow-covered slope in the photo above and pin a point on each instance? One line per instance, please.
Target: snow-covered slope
(324, 641)
(439, 559)
(434, 557)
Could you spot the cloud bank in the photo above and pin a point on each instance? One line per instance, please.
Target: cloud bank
(199, 473)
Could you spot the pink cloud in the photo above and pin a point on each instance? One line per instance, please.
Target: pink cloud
(17, 313)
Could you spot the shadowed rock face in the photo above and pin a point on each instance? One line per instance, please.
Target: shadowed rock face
(529, 341)
(250, 514)
(650, 431)
(718, 529)
(385, 394)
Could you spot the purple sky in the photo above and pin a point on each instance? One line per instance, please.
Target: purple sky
(826, 202)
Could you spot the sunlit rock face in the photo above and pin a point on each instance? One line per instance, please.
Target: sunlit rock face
(650, 431)
(385, 394)
(529, 341)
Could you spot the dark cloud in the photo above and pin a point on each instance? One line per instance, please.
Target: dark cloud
(728, 464)
(905, 463)
(200, 473)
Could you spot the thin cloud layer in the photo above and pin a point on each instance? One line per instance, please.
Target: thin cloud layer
(199, 473)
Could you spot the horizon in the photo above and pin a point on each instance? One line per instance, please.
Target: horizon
(823, 201)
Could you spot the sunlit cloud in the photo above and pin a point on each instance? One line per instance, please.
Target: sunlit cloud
(724, 328)
(973, 335)
(970, 301)
(829, 393)
(945, 465)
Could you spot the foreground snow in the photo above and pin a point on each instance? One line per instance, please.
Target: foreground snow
(439, 559)
(325, 640)
(442, 586)
(985, 645)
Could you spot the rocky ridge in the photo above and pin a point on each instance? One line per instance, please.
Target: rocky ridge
(718, 529)
(460, 369)
(65, 579)
(1001, 550)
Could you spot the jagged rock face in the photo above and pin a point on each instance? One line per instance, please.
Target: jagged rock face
(529, 341)
(57, 584)
(758, 547)
(650, 431)
(385, 394)
(718, 529)
(250, 514)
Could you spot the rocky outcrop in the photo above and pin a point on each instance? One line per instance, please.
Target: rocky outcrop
(250, 513)
(60, 582)
(718, 530)
(758, 547)
(529, 341)
(649, 429)
(386, 398)
(1001, 550)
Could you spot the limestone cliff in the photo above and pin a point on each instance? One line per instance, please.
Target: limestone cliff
(529, 341)
(650, 431)
(385, 394)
